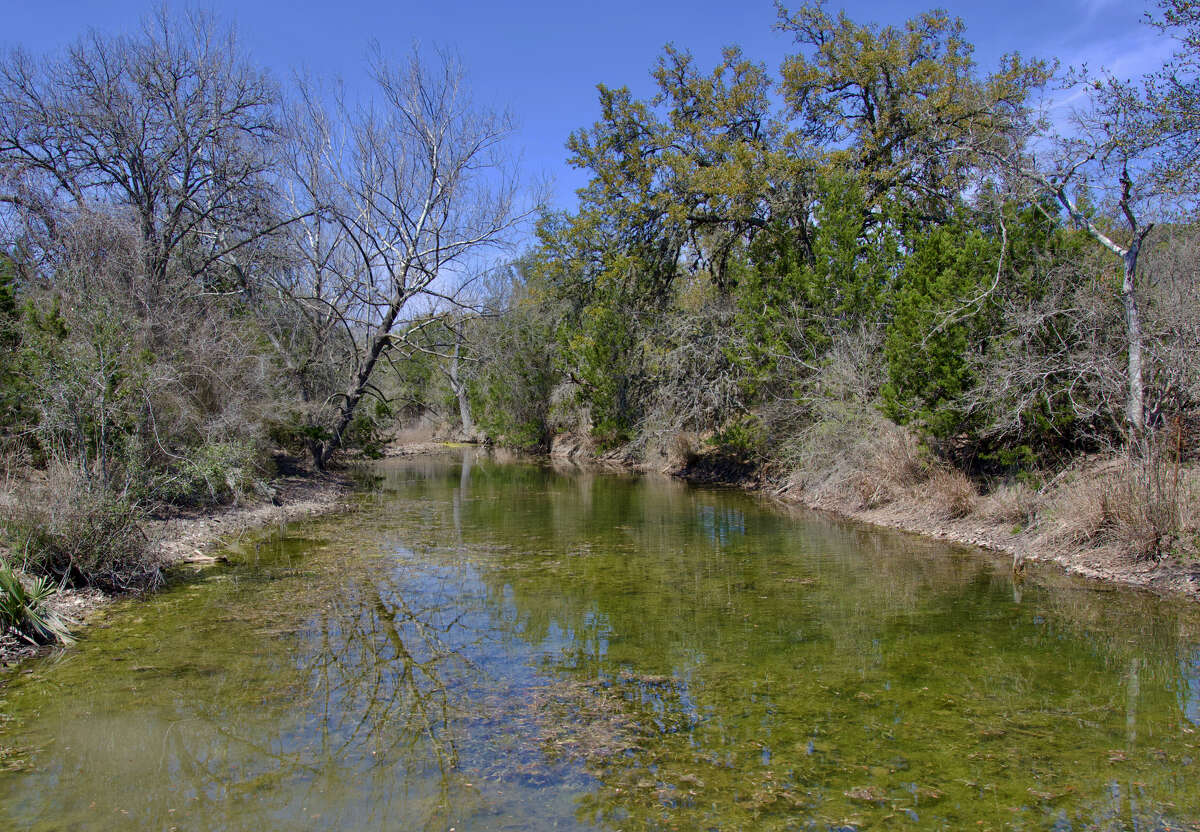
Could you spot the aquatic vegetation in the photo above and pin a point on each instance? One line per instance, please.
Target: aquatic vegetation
(485, 645)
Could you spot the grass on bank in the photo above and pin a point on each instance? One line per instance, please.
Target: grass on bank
(63, 527)
(1143, 508)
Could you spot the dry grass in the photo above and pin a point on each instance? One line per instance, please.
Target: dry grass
(900, 459)
(951, 493)
(1014, 504)
(1130, 508)
(1077, 508)
(71, 529)
(896, 465)
(1146, 508)
(672, 451)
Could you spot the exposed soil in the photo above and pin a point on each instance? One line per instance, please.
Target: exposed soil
(184, 536)
(187, 536)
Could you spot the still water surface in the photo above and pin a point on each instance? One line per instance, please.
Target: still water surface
(502, 646)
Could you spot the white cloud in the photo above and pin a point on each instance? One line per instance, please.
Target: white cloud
(1131, 53)
(1095, 7)
(1137, 52)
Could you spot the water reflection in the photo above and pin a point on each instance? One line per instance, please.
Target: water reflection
(489, 645)
(1189, 673)
(719, 525)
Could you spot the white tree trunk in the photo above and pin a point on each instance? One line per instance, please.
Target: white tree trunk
(460, 392)
(1135, 407)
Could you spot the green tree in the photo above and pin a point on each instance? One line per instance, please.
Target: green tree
(942, 310)
(988, 350)
(13, 392)
(796, 296)
(516, 372)
(899, 107)
(689, 172)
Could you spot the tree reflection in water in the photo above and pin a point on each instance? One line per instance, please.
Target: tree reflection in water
(484, 645)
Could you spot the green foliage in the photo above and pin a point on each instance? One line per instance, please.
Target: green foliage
(974, 350)
(24, 607)
(411, 378)
(511, 391)
(797, 295)
(900, 107)
(290, 432)
(687, 168)
(212, 473)
(942, 308)
(741, 440)
(369, 430)
(90, 377)
(605, 351)
(13, 390)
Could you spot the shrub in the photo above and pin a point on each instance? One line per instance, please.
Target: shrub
(210, 474)
(900, 459)
(1078, 509)
(893, 464)
(24, 608)
(1144, 507)
(1015, 504)
(741, 440)
(72, 529)
(952, 492)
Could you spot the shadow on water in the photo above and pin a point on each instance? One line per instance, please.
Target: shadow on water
(488, 645)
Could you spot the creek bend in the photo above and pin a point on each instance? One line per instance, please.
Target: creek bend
(487, 645)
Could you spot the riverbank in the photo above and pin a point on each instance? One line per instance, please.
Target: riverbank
(546, 633)
(1078, 545)
(187, 536)
(1098, 519)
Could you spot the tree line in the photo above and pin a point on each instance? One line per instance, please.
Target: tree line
(877, 226)
(201, 265)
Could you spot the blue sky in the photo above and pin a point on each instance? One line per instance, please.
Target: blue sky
(541, 60)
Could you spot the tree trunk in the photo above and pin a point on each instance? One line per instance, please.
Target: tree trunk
(1135, 396)
(358, 387)
(460, 392)
(464, 412)
(1135, 412)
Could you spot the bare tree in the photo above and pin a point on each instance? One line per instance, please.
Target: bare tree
(1105, 172)
(413, 187)
(172, 123)
(1113, 148)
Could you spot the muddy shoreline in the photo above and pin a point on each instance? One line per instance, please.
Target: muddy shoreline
(187, 536)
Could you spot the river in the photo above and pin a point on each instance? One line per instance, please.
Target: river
(504, 646)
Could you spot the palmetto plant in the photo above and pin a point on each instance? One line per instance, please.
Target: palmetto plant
(23, 607)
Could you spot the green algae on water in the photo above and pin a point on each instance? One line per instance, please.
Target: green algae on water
(489, 646)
